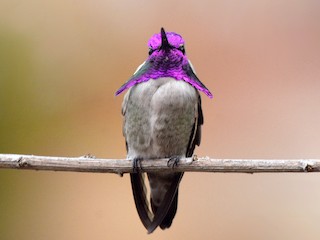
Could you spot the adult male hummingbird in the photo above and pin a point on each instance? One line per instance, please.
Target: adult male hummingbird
(162, 119)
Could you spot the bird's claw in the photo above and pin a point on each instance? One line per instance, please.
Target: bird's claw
(136, 165)
(173, 161)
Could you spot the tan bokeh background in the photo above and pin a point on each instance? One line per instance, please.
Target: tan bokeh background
(62, 61)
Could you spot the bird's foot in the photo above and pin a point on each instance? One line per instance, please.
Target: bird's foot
(136, 166)
(173, 161)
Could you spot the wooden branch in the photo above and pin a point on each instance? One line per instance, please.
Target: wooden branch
(120, 166)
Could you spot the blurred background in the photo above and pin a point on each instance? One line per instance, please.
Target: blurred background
(62, 61)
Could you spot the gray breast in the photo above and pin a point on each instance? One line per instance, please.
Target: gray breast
(159, 116)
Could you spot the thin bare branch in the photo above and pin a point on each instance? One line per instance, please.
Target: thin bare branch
(120, 166)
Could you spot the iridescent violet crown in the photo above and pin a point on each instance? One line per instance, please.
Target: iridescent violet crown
(166, 59)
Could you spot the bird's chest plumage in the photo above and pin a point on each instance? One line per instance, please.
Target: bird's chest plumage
(159, 116)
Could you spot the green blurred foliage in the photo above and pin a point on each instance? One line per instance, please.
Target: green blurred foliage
(17, 102)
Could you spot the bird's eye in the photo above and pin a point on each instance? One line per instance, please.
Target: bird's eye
(151, 51)
(181, 48)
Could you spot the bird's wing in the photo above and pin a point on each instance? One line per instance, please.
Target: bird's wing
(195, 137)
(140, 199)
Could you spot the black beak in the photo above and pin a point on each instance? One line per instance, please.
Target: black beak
(165, 45)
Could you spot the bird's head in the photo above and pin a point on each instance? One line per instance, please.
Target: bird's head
(167, 47)
(166, 58)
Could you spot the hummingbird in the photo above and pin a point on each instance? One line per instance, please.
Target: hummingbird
(162, 119)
